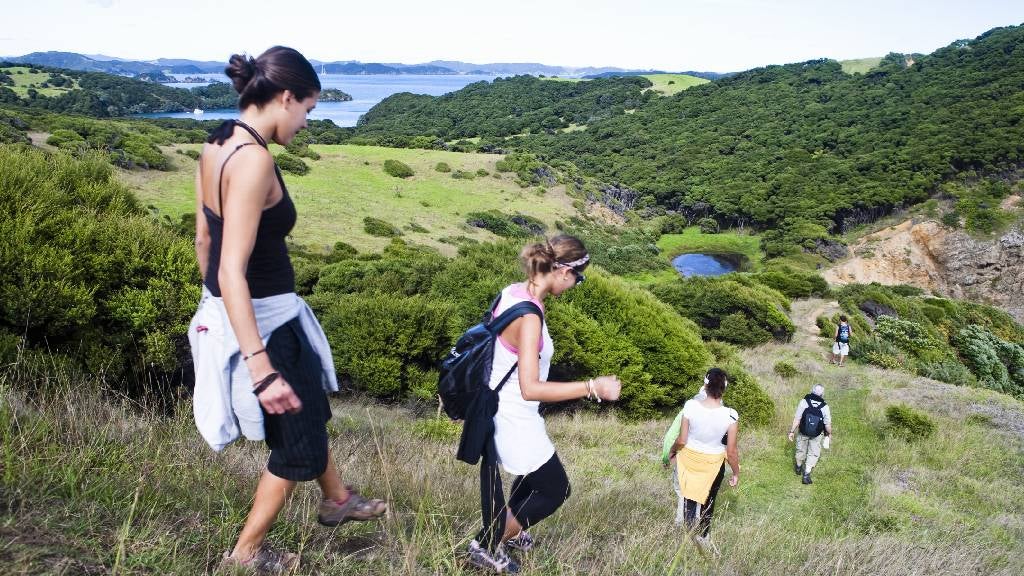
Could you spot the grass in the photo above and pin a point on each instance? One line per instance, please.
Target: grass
(859, 65)
(349, 184)
(93, 485)
(679, 82)
(25, 80)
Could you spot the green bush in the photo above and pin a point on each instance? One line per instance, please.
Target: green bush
(443, 167)
(506, 225)
(400, 269)
(674, 224)
(908, 424)
(383, 344)
(997, 364)
(397, 169)
(85, 273)
(708, 226)
(948, 371)
(744, 395)
(904, 334)
(731, 308)
(826, 328)
(792, 282)
(65, 139)
(193, 154)
(785, 369)
(291, 164)
(482, 173)
(462, 175)
(414, 227)
(382, 228)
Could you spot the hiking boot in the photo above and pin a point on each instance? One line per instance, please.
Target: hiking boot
(355, 508)
(807, 478)
(522, 542)
(798, 468)
(266, 561)
(706, 546)
(498, 561)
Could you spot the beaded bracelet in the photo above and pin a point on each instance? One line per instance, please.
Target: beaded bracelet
(265, 383)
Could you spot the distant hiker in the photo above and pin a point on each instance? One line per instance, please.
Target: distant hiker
(520, 442)
(263, 364)
(812, 425)
(841, 345)
(707, 438)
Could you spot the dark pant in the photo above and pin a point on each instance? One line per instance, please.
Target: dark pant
(534, 497)
(298, 442)
(697, 516)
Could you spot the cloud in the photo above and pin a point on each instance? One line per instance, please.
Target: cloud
(102, 3)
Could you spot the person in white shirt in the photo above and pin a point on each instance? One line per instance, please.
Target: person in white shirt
(707, 438)
(809, 441)
(520, 439)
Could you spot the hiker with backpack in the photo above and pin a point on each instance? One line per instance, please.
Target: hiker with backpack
(512, 349)
(841, 344)
(812, 426)
(706, 440)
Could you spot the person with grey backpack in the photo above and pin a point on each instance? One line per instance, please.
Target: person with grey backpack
(812, 426)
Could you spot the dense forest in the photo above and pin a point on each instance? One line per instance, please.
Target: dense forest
(803, 149)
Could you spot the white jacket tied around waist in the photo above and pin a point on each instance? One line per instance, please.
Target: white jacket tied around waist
(223, 403)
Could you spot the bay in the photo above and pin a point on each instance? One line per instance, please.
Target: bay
(366, 90)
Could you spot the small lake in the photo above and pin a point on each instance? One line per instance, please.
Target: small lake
(703, 265)
(366, 90)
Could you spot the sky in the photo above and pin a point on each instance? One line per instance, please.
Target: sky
(672, 35)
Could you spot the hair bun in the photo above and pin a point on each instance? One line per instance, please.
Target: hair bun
(240, 69)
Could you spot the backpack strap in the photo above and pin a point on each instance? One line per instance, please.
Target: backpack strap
(498, 325)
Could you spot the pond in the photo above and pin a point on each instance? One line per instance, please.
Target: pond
(705, 264)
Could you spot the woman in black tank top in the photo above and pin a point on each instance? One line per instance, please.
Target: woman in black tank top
(243, 215)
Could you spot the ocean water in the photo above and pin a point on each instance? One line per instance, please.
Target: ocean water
(366, 90)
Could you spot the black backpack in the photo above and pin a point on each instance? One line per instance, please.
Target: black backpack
(812, 422)
(465, 375)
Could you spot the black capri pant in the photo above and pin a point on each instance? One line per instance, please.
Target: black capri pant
(298, 442)
(534, 497)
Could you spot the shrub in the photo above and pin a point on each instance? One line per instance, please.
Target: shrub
(904, 334)
(461, 175)
(792, 282)
(66, 139)
(826, 328)
(482, 173)
(443, 167)
(385, 343)
(785, 369)
(505, 225)
(86, 273)
(948, 371)
(708, 226)
(193, 154)
(951, 219)
(674, 224)
(414, 227)
(997, 364)
(731, 308)
(437, 429)
(381, 228)
(908, 424)
(744, 395)
(397, 169)
(291, 164)
(400, 269)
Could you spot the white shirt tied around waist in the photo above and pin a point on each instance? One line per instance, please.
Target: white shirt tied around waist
(707, 426)
(223, 403)
(519, 433)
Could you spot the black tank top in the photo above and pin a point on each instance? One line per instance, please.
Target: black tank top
(269, 271)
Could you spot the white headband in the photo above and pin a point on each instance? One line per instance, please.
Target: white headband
(574, 263)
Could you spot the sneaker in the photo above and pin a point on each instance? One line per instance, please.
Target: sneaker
(356, 507)
(807, 478)
(798, 468)
(266, 561)
(497, 561)
(523, 542)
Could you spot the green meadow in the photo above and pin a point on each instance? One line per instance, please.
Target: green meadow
(348, 184)
(669, 84)
(859, 65)
(24, 80)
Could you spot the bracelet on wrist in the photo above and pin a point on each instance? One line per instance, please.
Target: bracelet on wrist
(590, 388)
(265, 382)
(246, 357)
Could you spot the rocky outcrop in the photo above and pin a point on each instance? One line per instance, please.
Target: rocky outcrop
(947, 262)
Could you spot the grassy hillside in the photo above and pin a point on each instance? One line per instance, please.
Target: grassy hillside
(91, 486)
(860, 65)
(349, 184)
(24, 80)
(669, 84)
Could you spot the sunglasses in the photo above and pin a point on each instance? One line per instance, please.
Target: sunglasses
(579, 276)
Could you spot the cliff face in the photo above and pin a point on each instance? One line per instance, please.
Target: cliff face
(947, 262)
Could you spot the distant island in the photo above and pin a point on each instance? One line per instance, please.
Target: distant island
(334, 95)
